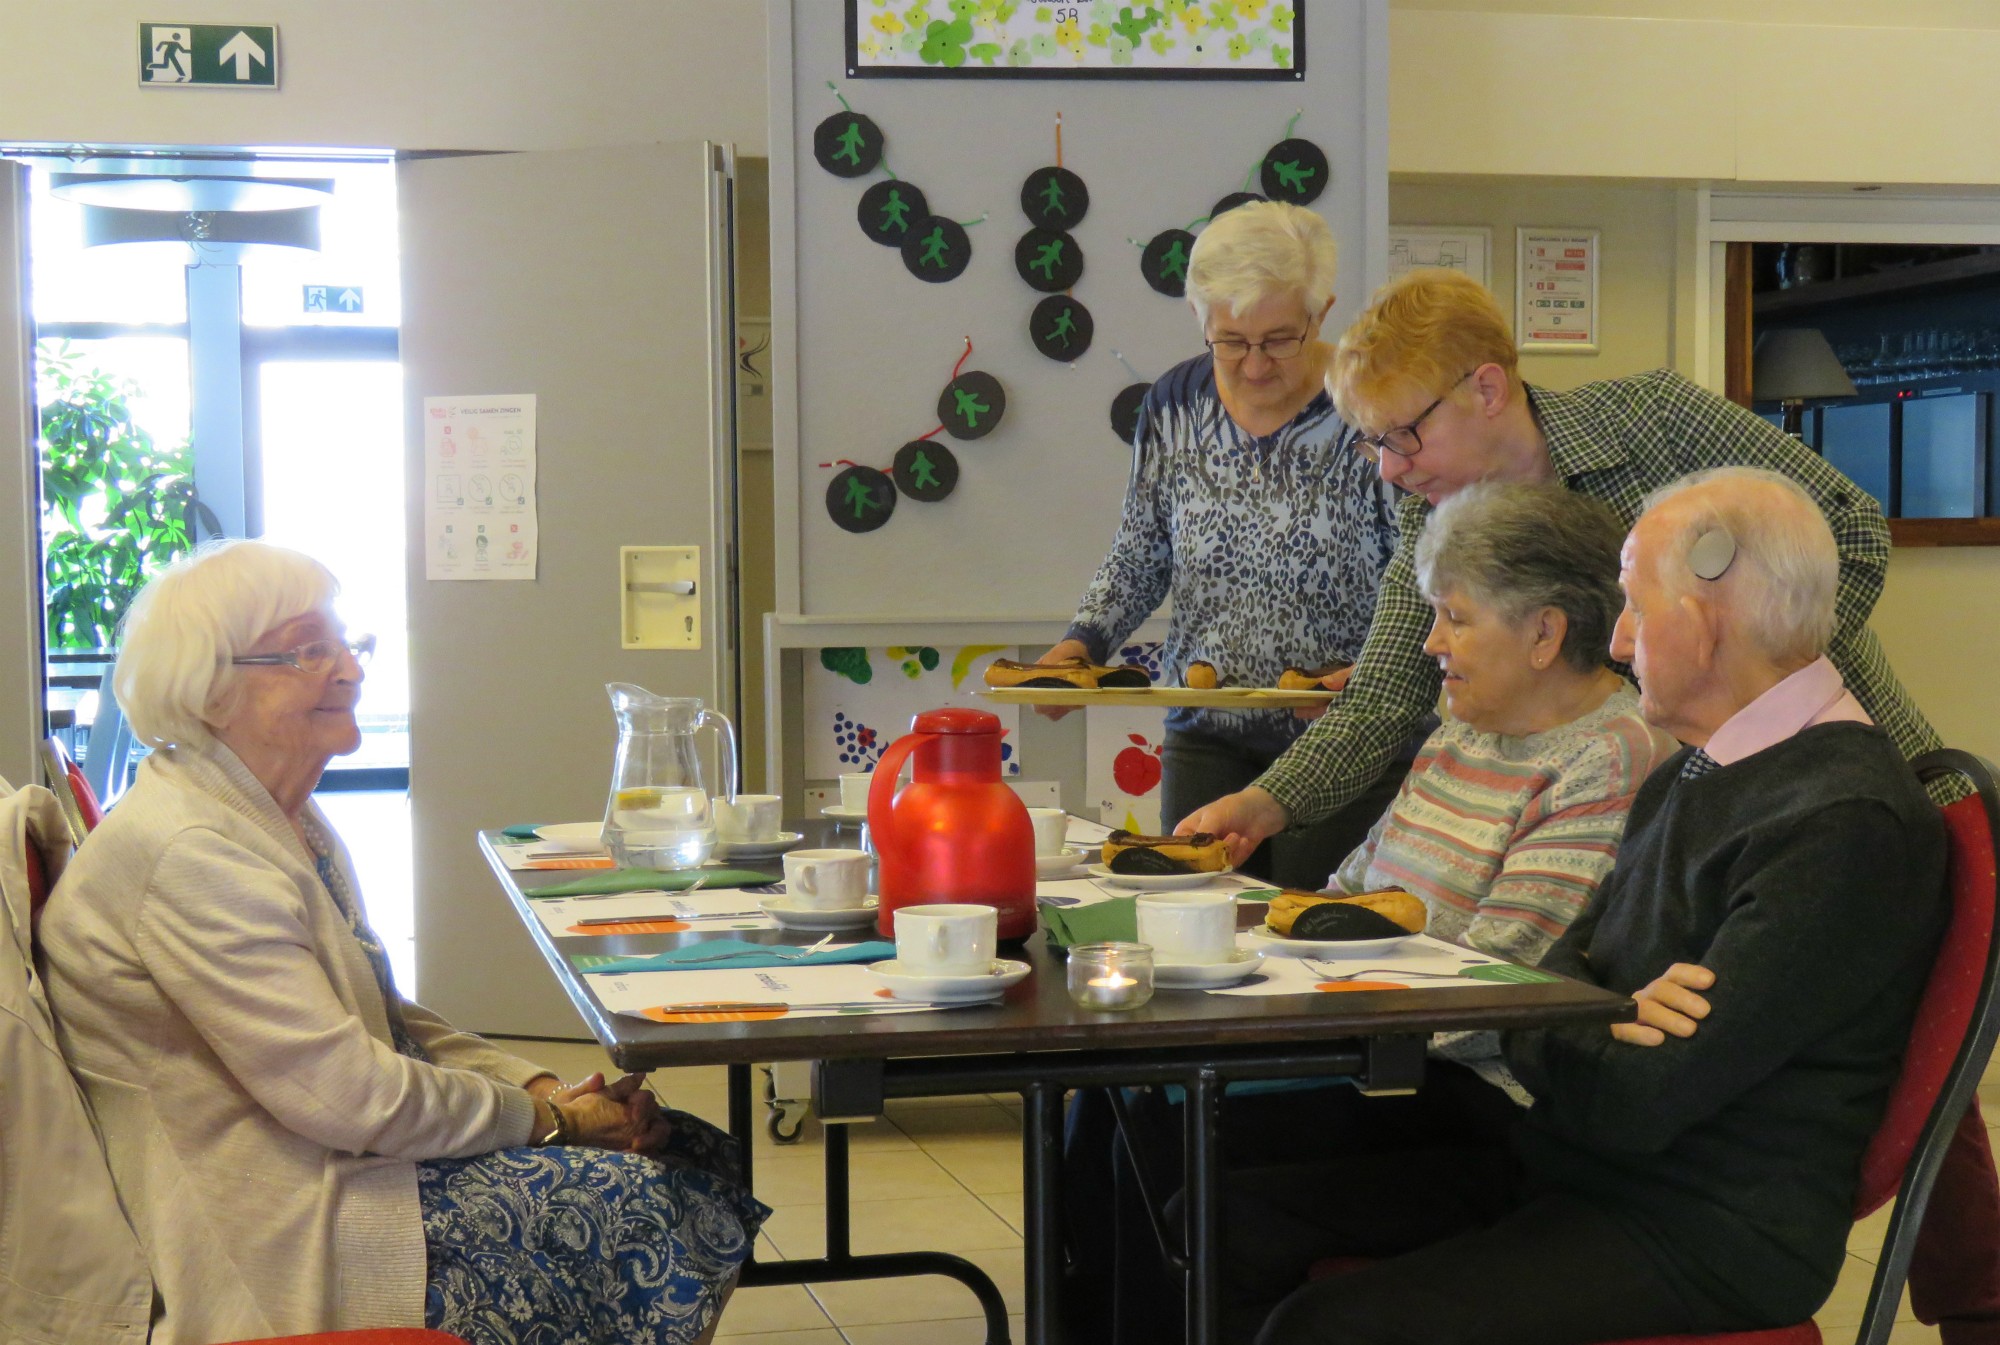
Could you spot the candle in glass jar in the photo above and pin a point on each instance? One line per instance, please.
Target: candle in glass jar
(1111, 975)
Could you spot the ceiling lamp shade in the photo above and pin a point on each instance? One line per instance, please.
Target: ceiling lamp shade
(182, 193)
(1795, 364)
(275, 228)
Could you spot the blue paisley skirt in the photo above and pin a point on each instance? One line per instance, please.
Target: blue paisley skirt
(576, 1246)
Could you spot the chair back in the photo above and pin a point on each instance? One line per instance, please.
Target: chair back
(73, 792)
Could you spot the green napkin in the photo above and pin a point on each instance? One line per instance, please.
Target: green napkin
(724, 954)
(602, 881)
(527, 831)
(1114, 920)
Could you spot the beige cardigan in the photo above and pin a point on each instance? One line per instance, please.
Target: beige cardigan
(229, 1033)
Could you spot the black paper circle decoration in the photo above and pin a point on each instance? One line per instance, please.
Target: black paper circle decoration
(1296, 171)
(1054, 198)
(971, 405)
(937, 250)
(926, 470)
(1049, 260)
(1164, 262)
(1061, 328)
(860, 499)
(1125, 410)
(847, 144)
(1231, 201)
(890, 209)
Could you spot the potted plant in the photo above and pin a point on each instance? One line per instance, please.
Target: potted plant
(116, 506)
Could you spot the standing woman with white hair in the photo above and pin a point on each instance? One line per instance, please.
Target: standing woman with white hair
(1249, 510)
(297, 1146)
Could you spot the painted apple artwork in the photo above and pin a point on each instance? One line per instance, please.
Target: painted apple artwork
(1137, 769)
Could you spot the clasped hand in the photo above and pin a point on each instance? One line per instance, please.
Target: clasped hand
(621, 1115)
(1670, 1006)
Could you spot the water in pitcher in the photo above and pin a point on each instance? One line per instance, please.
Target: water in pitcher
(653, 828)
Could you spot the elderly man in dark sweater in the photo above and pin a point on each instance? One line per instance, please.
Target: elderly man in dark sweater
(1776, 903)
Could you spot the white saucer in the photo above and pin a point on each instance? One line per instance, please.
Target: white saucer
(572, 837)
(949, 989)
(1068, 861)
(1155, 882)
(788, 916)
(842, 814)
(1324, 948)
(770, 849)
(1207, 975)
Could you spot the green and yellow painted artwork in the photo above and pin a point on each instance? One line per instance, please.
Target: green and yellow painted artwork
(1234, 36)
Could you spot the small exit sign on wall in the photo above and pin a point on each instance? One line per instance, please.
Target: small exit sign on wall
(208, 56)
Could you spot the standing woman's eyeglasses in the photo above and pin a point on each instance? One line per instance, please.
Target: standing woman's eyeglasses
(315, 658)
(1404, 441)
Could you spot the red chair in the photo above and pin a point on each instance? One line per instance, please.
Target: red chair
(1950, 1044)
(79, 802)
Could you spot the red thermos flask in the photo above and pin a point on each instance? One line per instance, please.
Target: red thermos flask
(957, 833)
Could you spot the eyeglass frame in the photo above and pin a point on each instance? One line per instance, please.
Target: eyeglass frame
(1262, 345)
(1373, 446)
(360, 647)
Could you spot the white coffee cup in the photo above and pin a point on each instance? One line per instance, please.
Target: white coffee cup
(946, 939)
(1188, 928)
(826, 880)
(748, 817)
(1051, 829)
(854, 791)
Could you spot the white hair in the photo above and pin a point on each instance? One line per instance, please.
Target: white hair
(1248, 254)
(1786, 571)
(174, 680)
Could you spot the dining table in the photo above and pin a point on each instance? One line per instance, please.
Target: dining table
(1034, 1041)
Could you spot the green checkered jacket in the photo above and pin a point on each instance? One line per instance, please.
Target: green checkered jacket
(1615, 441)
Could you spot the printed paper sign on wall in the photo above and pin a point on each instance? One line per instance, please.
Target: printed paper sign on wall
(858, 701)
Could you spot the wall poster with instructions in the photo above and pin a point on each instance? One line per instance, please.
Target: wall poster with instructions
(479, 487)
(1555, 290)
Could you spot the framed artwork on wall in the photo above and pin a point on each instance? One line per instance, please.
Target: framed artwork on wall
(1455, 247)
(949, 39)
(1555, 290)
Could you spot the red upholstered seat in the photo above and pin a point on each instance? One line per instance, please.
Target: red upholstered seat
(395, 1335)
(1805, 1333)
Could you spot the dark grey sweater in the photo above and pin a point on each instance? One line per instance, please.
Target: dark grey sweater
(1809, 878)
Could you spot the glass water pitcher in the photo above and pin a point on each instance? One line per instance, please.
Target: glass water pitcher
(657, 815)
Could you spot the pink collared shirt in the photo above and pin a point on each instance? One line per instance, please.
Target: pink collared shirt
(1815, 694)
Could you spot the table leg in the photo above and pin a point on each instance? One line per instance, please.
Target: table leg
(1041, 1154)
(1202, 1206)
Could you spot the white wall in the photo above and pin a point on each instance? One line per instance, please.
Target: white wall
(400, 74)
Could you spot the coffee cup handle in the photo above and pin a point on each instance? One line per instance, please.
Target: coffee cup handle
(937, 943)
(805, 882)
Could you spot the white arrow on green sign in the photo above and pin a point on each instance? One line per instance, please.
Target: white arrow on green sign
(208, 55)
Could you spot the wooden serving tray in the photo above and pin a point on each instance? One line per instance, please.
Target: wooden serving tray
(1163, 698)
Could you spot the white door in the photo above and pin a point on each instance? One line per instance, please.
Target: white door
(598, 280)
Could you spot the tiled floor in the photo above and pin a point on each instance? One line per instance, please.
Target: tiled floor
(944, 1174)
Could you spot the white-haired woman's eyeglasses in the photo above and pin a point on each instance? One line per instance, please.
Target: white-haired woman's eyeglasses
(315, 658)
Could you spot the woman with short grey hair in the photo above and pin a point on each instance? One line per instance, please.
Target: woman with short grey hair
(298, 1147)
(1249, 510)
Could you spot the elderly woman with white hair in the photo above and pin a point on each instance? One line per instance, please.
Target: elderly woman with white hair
(1249, 509)
(298, 1147)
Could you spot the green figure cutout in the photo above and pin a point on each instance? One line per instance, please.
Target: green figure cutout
(934, 249)
(1292, 175)
(859, 497)
(968, 405)
(922, 477)
(850, 144)
(1173, 266)
(1052, 197)
(895, 212)
(1046, 260)
(1064, 326)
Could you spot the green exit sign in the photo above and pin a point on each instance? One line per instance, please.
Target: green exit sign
(208, 56)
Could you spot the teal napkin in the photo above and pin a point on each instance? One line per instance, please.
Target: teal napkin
(527, 831)
(1114, 920)
(600, 882)
(732, 954)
